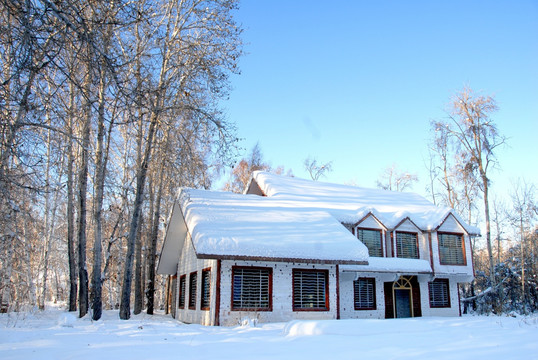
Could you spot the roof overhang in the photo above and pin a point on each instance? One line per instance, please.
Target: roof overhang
(392, 266)
(176, 232)
(280, 259)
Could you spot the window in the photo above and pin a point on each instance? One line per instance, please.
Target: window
(439, 294)
(251, 288)
(310, 290)
(205, 294)
(364, 294)
(182, 280)
(372, 239)
(407, 245)
(451, 249)
(193, 277)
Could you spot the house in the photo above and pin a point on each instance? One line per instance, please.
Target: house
(290, 248)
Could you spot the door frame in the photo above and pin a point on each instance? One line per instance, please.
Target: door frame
(403, 283)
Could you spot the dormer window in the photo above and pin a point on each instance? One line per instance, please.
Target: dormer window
(407, 245)
(372, 238)
(451, 249)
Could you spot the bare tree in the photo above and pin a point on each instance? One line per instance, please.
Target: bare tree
(499, 219)
(316, 170)
(242, 171)
(476, 138)
(394, 180)
(82, 85)
(198, 45)
(523, 203)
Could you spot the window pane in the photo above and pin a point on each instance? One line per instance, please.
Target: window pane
(364, 294)
(451, 249)
(309, 290)
(406, 245)
(182, 292)
(372, 240)
(250, 287)
(206, 282)
(192, 290)
(439, 295)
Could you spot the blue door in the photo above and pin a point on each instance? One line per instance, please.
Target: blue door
(403, 303)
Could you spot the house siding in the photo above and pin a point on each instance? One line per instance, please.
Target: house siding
(453, 310)
(282, 289)
(383, 284)
(282, 294)
(188, 263)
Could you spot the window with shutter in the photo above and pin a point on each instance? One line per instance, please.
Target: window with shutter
(251, 288)
(364, 294)
(407, 245)
(310, 290)
(451, 249)
(182, 280)
(372, 238)
(205, 294)
(439, 293)
(193, 277)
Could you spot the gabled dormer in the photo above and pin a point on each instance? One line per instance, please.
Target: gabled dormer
(372, 233)
(408, 241)
(452, 250)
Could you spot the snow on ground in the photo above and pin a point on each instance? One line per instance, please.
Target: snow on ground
(55, 334)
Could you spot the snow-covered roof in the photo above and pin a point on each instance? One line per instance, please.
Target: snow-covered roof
(297, 220)
(349, 204)
(226, 225)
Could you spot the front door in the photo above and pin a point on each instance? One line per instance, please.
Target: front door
(403, 303)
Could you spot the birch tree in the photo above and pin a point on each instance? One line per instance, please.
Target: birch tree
(197, 44)
(395, 180)
(475, 136)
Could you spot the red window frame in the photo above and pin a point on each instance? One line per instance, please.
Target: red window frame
(463, 253)
(192, 294)
(205, 303)
(380, 238)
(430, 296)
(326, 275)
(270, 289)
(355, 294)
(416, 244)
(182, 279)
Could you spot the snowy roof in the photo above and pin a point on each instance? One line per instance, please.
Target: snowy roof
(226, 225)
(297, 220)
(349, 204)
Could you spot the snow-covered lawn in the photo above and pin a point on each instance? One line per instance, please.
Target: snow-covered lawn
(55, 334)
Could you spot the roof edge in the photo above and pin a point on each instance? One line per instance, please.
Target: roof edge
(281, 259)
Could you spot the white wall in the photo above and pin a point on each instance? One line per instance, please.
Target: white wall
(453, 310)
(282, 294)
(188, 263)
(282, 285)
(347, 307)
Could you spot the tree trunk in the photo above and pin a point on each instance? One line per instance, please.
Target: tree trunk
(522, 263)
(138, 271)
(70, 209)
(82, 190)
(48, 229)
(125, 310)
(99, 183)
(150, 292)
(488, 241)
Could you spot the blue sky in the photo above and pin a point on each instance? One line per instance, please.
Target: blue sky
(357, 82)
